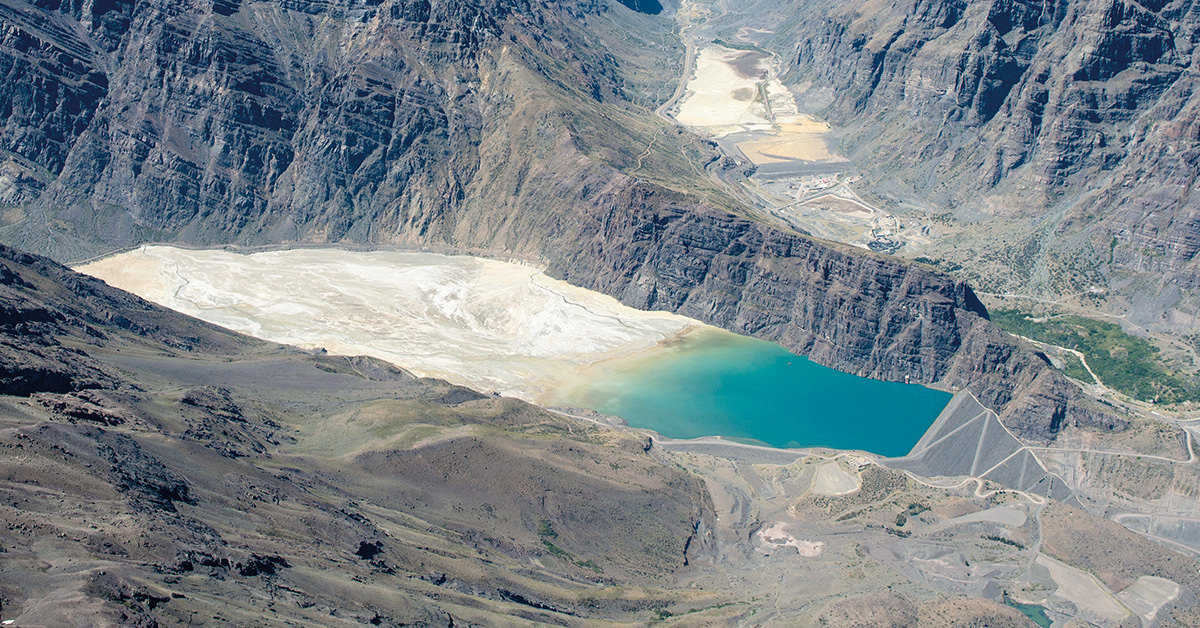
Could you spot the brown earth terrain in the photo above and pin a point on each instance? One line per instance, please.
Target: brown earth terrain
(193, 476)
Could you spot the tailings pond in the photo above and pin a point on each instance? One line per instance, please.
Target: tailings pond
(713, 382)
(506, 327)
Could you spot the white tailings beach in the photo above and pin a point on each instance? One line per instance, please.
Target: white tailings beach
(1148, 595)
(1083, 590)
(831, 479)
(724, 92)
(776, 536)
(732, 91)
(490, 325)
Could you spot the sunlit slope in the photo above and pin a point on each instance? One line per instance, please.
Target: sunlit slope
(201, 476)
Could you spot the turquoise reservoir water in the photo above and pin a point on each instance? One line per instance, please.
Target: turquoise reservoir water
(1035, 613)
(715, 383)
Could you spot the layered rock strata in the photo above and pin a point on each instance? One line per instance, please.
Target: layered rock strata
(501, 127)
(1077, 116)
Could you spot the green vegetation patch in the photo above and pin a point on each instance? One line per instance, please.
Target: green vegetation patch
(1074, 368)
(546, 531)
(1006, 541)
(556, 550)
(590, 564)
(1122, 361)
(912, 510)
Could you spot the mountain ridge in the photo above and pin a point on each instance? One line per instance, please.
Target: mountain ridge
(328, 123)
(1071, 125)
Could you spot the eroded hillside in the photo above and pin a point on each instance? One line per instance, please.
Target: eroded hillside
(184, 473)
(1068, 128)
(192, 476)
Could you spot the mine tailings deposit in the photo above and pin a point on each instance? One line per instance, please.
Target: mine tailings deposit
(507, 327)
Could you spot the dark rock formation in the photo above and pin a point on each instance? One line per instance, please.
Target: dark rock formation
(81, 406)
(368, 368)
(1081, 111)
(32, 359)
(142, 476)
(216, 419)
(34, 364)
(262, 565)
(498, 126)
(42, 301)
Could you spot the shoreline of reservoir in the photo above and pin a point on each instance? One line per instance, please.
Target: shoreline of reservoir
(478, 322)
(508, 328)
(711, 382)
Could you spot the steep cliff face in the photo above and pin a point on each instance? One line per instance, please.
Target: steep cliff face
(1052, 87)
(1081, 111)
(503, 126)
(868, 315)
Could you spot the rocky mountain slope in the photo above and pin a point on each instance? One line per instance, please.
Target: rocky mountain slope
(1075, 121)
(180, 474)
(507, 127)
(156, 469)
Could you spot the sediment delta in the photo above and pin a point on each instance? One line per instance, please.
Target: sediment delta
(732, 93)
(724, 92)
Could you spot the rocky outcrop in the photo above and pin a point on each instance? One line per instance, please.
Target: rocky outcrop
(145, 488)
(1049, 89)
(32, 358)
(499, 127)
(868, 315)
(141, 476)
(43, 303)
(46, 310)
(82, 406)
(1080, 111)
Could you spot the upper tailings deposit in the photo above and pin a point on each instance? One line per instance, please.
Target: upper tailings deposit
(506, 327)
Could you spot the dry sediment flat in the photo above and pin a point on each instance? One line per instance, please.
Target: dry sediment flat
(800, 138)
(1083, 590)
(785, 147)
(832, 479)
(733, 98)
(724, 92)
(726, 96)
(482, 323)
(1148, 595)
